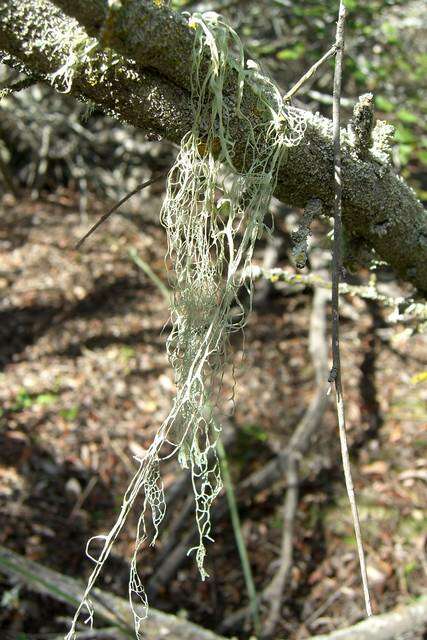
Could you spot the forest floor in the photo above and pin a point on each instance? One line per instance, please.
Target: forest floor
(85, 383)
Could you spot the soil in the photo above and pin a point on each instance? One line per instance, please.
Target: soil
(85, 383)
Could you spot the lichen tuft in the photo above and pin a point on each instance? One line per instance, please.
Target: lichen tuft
(213, 213)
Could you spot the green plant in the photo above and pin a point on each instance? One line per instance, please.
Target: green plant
(69, 414)
(25, 400)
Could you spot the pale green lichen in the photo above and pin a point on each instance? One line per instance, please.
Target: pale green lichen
(213, 213)
(84, 52)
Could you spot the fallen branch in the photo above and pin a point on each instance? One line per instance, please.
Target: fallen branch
(274, 592)
(411, 618)
(110, 608)
(286, 464)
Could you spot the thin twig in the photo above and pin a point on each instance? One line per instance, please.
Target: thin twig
(274, 591)
(104, 217)
(315, 615)
(145, 267)
(83, 496)
(297, 447)
(310, 73)
(335, 375)
(7, 88)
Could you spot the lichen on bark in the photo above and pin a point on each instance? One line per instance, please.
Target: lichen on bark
(158, 99)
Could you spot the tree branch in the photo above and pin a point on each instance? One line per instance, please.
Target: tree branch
(41, 37)
(109, 607)
(149, 33)
(388, 626)
(378, 207)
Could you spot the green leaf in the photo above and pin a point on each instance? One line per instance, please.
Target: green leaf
(22, 401)
(292, 53)
(406, 116)
(46, 399)
(405, 152)
(255, 432)
(389, 29)
(383, 104)
(404, 135)
(69, 414)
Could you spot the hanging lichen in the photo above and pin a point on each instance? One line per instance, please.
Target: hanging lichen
(213, 213)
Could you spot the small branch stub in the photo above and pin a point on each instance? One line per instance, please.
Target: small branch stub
(362, 124)
(299, 237)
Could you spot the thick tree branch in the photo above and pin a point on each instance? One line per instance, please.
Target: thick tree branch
(153, 35)
(41, 37)
(378, 207)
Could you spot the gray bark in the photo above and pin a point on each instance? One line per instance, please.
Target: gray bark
(404, 623)
(148, 32)
(150, 90)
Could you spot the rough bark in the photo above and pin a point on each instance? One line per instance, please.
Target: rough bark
(150, 90)
(146, 31)
(38, 34)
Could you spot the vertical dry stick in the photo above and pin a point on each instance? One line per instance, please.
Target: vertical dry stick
(335, 375)
(274, 591)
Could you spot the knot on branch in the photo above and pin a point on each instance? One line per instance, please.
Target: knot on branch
(362, 124)
(299, 237)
